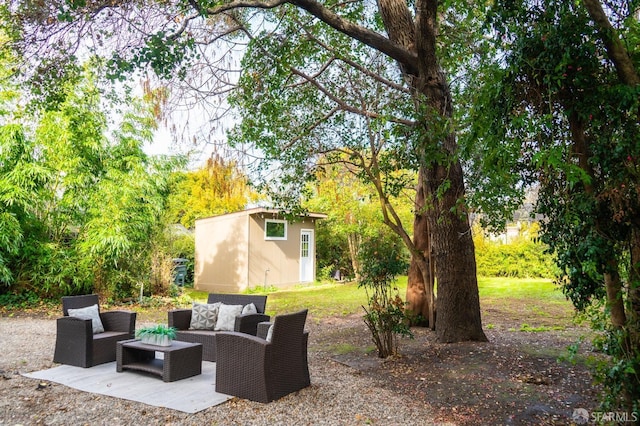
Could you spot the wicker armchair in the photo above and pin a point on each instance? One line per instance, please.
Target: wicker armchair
(76, 344)
(180, 319)
(259, 370)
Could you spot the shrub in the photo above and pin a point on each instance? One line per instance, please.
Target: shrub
(382, 258)
(524, 257)
(619, 371)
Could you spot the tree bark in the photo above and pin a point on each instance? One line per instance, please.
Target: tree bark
(420, 282)
(613, 285)
(420, 296)
(628, 75)
(459, 317)
(353, 241)
(612, 281)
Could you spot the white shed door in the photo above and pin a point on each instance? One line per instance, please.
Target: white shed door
(306, 255)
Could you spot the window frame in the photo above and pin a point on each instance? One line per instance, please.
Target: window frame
(267, 237)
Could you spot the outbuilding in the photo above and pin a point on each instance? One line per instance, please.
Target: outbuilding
(253, 248)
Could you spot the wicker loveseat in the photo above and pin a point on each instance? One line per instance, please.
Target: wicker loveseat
(247, 323)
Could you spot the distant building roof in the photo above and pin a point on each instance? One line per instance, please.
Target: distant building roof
(266, 210)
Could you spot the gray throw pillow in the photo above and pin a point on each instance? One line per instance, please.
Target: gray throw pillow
(204, 316)
(91, 312)
(249, 309)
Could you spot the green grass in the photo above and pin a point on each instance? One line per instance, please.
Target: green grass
(530, 329)
(334, 300)
(344, 348)
(337, 299)
(519, 288)
(322, 300)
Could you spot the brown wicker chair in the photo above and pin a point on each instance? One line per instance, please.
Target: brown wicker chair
(180, 319)
(259, 370)
(75, 342)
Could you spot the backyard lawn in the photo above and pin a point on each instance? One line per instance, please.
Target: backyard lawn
(536, 296)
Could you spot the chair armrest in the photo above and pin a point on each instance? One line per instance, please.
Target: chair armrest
(263, 329)
(124, 321)
(248, 323)
(241, 366)
(180, 319)
(240, 363)
(233, 346)
(76, 328)
(74, 341)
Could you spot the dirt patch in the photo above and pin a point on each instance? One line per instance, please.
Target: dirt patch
(519, 377)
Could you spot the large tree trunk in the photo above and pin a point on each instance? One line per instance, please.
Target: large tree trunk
(446, 226)
(627, 74)
(420, 282)
(612, 281)
(413, 45)
(459, 316)
(458, 310)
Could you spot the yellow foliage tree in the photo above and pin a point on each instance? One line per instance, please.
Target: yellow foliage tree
(218, 187)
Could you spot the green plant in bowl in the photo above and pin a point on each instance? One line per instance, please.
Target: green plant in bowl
(160, 335)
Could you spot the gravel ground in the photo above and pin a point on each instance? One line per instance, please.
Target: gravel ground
(338, 395)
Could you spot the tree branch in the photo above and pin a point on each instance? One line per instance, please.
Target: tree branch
(357, 66)
(615, 50)
(342, 104)
(335, 21)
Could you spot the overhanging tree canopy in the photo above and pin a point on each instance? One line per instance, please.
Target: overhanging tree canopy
(165, 36)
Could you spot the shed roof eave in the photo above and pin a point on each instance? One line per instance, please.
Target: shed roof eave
(264, 210)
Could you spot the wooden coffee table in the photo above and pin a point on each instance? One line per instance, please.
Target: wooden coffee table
(181, 359)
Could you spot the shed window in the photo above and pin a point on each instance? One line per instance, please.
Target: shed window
(275, 229)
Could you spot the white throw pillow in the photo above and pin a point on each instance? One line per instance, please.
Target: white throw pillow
(89, 312)
(227, 317)
(204, 316)
(269, 333)
(249, 309)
